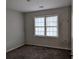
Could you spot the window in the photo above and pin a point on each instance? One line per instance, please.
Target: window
(46, 26)
(39, 26)
(51, 26)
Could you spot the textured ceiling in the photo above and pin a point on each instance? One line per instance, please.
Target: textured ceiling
(35, 5)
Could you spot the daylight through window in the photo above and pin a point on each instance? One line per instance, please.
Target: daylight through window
(46, 26)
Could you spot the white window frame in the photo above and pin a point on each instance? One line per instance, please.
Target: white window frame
(47, 26)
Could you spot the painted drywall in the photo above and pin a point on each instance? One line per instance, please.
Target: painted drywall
(63, 41)
(14, 30)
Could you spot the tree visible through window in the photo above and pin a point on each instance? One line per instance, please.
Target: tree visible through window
(46, 26)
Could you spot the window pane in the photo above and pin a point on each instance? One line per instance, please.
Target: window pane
(51, 28)
(51, 33)
(51, 21)
(39, 31)
(39, 24)
(39, 21)
(55, 33)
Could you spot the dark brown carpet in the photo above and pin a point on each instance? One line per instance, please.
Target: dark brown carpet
(35, 52)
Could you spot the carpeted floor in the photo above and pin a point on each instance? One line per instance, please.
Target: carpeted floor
(35, 52)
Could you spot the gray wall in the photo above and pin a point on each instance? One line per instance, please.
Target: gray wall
(14, 30)
(63, 41)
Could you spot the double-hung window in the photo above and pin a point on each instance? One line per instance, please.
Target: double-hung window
(46, 26)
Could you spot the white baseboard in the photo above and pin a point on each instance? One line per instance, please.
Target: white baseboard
(14, 48)
(51, 46)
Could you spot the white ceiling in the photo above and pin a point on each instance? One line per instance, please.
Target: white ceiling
(34, 5)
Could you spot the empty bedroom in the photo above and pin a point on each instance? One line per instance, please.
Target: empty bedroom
(38, 29)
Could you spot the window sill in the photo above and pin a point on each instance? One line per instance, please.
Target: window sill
(46, 36)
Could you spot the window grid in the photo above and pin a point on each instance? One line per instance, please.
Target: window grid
(51, 24)
(45, 28)
(56, 31)
(39, 24)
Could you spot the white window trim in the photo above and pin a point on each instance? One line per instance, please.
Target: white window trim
(45, 26)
